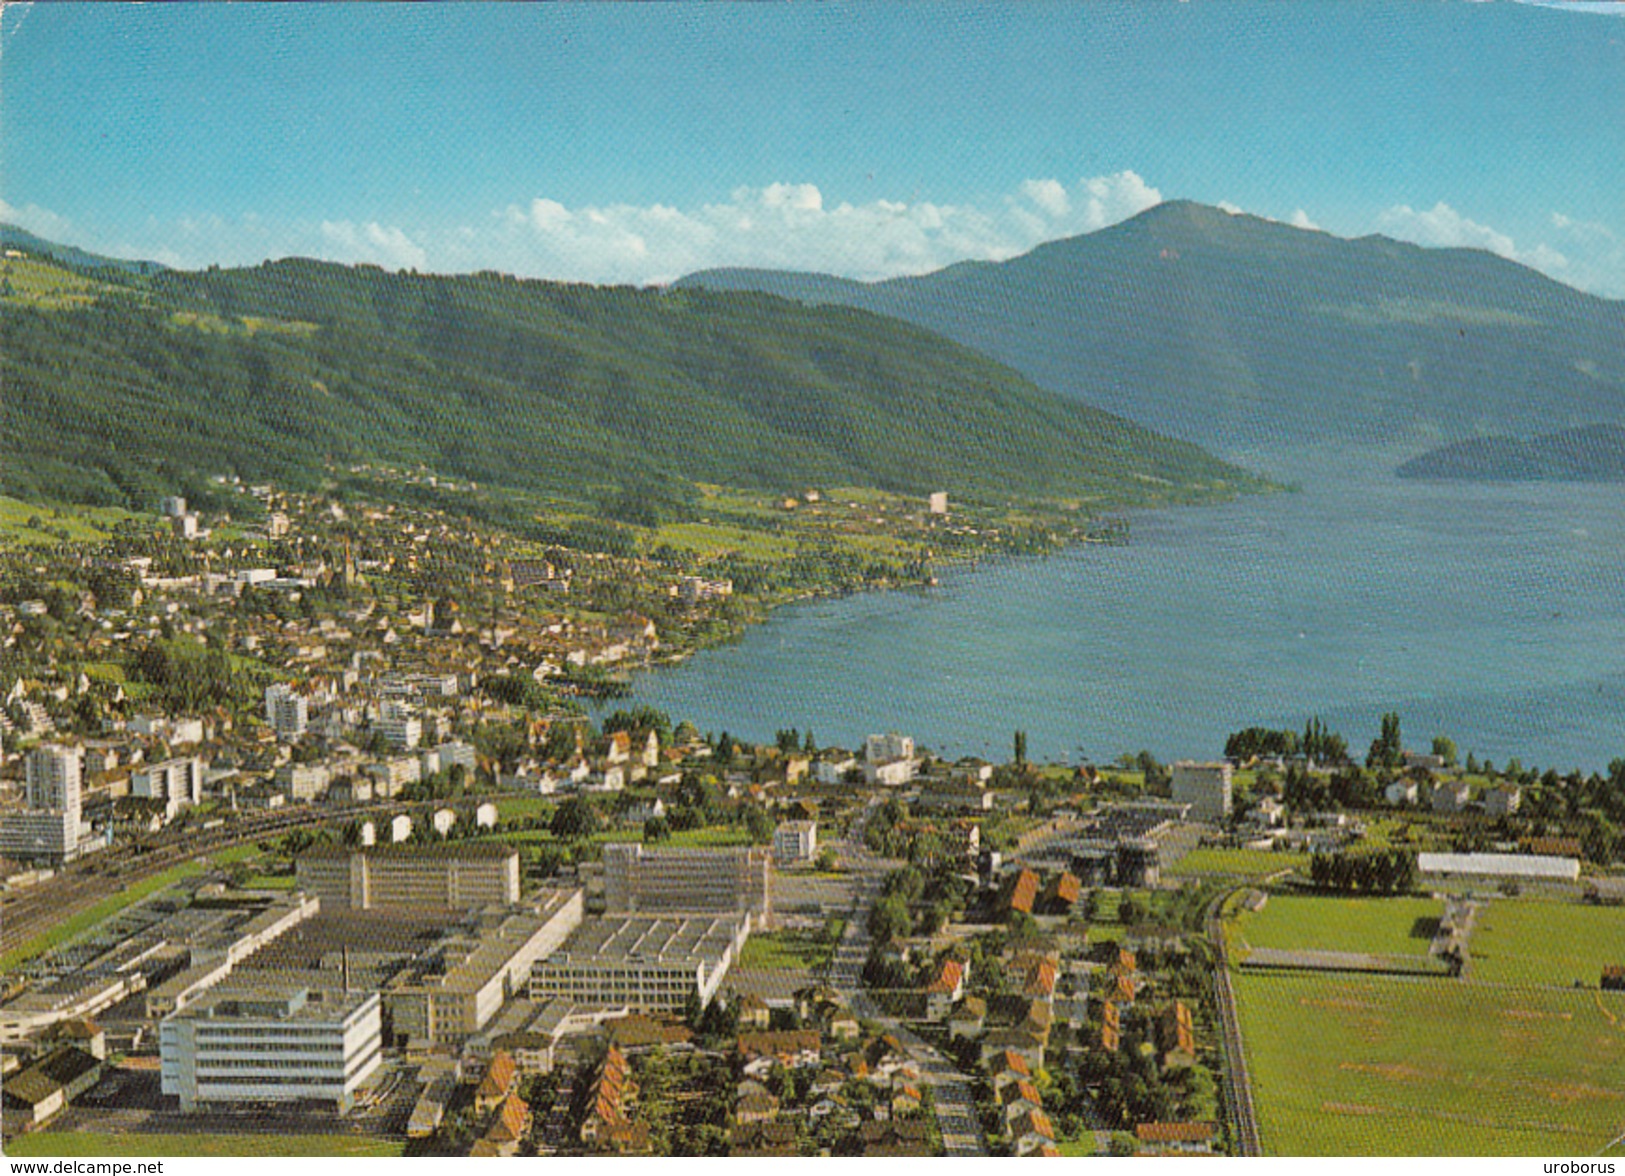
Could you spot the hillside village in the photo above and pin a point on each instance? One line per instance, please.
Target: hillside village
(336, 770)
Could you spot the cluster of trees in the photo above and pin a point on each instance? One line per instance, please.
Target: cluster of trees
(1386, 749)
(1382, 871)
(1130, 1086)
(1316, 743)
(1349, 787)
(190, 677)
(790, 742)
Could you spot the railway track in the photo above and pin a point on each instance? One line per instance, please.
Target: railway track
(1237, 1086)
(83, 884)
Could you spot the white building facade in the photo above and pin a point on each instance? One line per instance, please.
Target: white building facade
(264, 1047)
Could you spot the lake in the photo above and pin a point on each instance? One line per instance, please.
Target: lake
(1491, 613)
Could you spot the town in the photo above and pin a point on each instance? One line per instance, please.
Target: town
(313, 844)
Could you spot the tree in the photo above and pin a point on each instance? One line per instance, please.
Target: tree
(1445, 748)
(1021, 749)
(656, 829)
(1132, 910)
(1386, 750)
(759, 824)
(889, 919)
(575, 819)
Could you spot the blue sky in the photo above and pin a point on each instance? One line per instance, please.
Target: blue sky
(634, 144)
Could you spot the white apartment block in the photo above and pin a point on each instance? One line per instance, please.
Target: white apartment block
(286, 710)
(52, 828)
(390, 776)
(795, 841)
(260, 1046)
(1205, 787)
(881, 749)
(177, 782)
(54, 774)
(303, 782)
(400, 727)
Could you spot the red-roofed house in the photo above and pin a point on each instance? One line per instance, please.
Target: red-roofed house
(1023, 893)
(947, 988)
(1031, 1131)
(500, 1078)
(1193, 1138)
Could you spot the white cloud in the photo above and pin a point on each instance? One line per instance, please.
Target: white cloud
(1050, 195)
(1117, 197)
(1596, 254)
(372, 242)
(1586, 255)
(1443, 226)
(40, 221)
(1232, 209)
(1300, 220)
(786, 225)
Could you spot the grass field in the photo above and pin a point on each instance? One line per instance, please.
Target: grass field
(88, 1143)
(509, 807)
(83, 524)
(1346, 1065)
(87, 919)
(790, 951)
(1246, 863)
(1525, 941)
(712, 837)
(43, 286)
(1381, 926)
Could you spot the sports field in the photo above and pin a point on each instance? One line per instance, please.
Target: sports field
(1380, 926)
(1356, 1065)
(1527, 941)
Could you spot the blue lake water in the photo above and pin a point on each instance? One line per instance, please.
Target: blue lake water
(1491, 613)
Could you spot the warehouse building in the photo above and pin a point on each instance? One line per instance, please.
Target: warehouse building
(411, 878)
(735, 882)
(1499, 866)
(455, 991)
(649, 964)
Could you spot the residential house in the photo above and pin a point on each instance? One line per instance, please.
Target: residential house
(1061, 894)
(1021, 892)
(1188, 1138)
(1111, 1027)
(762, 1139)
(1450, 796)
(946, 988)
(792, 1048)
(969, 1018)
(1176, 1036)
(499, 1081)
(1030, 1132)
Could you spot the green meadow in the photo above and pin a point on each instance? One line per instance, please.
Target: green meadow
(1358, 1065)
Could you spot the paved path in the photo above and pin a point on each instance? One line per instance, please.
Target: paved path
(956, 1109)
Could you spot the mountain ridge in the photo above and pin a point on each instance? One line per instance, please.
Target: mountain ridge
(285, 369)
(1233, 331)
(1593, 453)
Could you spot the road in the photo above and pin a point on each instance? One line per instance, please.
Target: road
(956, 1109)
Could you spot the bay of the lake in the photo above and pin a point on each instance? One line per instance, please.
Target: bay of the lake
(1493, 613)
